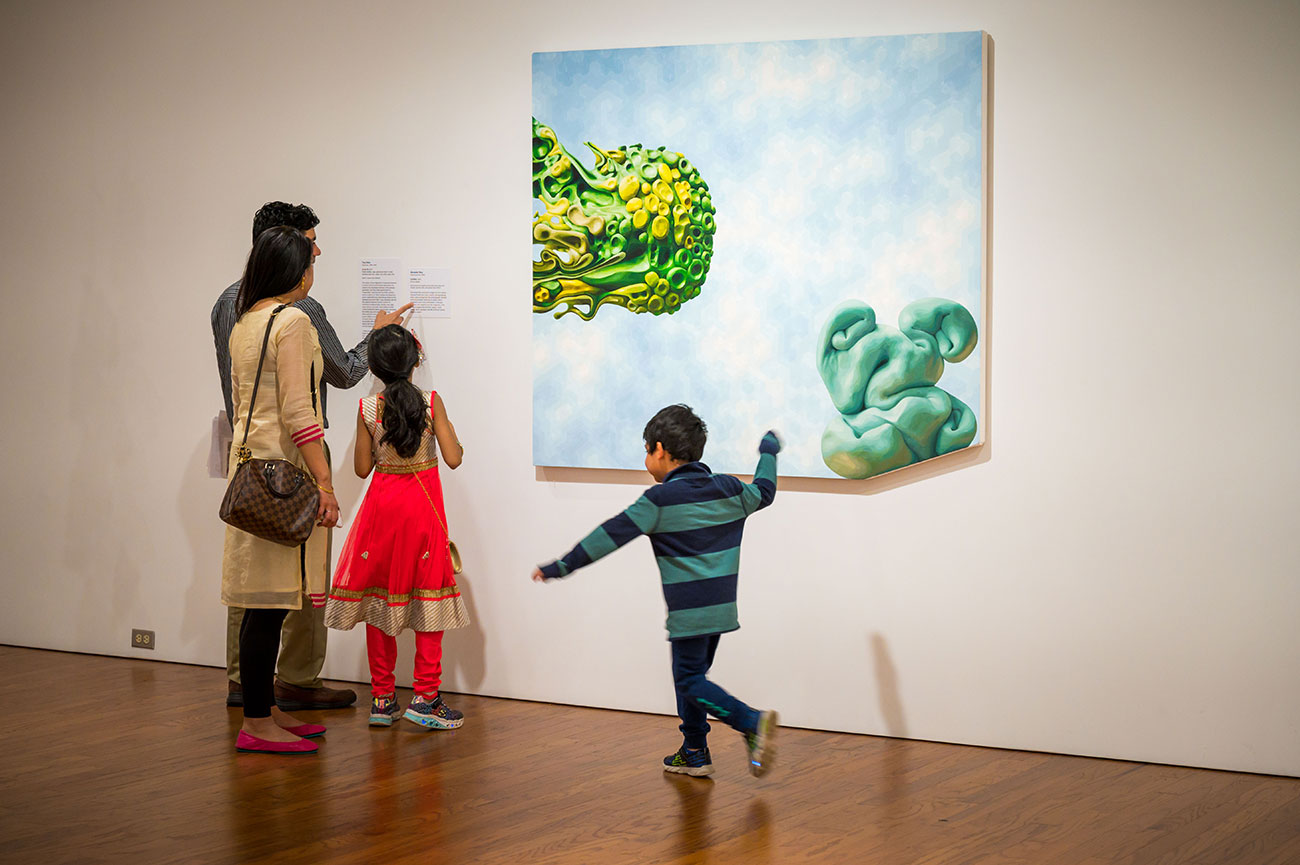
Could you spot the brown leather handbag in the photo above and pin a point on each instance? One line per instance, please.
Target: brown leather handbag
(272, 499)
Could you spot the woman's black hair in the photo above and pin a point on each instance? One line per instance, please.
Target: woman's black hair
(280, 257)
(392, 354)
(679, 430)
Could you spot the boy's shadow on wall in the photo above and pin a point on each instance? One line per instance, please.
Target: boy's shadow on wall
(891, 711)
(891, 705)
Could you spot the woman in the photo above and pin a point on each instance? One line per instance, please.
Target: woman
(266, 578)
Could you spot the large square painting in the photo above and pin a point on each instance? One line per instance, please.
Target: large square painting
(784, 235)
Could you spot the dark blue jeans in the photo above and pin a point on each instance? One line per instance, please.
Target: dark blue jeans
(696, 695)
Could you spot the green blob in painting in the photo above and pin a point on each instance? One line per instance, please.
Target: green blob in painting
(882, 381)
(636, 232)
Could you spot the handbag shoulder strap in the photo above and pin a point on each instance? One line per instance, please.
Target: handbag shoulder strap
(257, 379)
(441, 521)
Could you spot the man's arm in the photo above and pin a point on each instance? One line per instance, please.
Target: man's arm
(760, 493)
(616, 531)
(343, 367)
(223, 322)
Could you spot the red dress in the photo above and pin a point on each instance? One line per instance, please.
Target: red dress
(395, 570)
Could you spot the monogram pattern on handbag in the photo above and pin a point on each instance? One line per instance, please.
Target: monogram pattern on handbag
(272, 499)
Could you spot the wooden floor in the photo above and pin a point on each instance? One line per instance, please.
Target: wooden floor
(117, 760)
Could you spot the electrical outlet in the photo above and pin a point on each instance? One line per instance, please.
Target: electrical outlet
(141, 639)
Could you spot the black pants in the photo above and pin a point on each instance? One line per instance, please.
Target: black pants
(259, 646)
(696, 695)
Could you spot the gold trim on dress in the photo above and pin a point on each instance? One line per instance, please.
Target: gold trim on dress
(405, 469)
(403, 598)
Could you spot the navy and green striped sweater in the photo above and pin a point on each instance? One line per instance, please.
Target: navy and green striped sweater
(694, 519)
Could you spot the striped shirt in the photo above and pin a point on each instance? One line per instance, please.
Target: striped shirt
(695, 520)
(343, 368)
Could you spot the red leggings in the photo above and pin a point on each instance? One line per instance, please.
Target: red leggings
(382, 651)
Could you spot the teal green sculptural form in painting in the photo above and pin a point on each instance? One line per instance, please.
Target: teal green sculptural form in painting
(636, 232)
(882, 381)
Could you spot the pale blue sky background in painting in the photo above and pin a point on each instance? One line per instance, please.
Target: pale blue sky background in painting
(845, 168)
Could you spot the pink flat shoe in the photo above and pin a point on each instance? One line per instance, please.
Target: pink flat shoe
(253, 745)
(307, 731)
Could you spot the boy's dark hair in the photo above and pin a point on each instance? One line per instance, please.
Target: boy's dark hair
(274, 213)
(276, 264)
(679, 430)
(392, 353)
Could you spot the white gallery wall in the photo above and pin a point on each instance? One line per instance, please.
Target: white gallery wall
(1116, 573)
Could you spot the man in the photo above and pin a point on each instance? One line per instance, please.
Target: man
(298, 684)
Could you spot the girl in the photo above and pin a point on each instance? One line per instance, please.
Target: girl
(395, 571)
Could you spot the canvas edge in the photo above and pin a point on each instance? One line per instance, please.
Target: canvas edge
(986, 223)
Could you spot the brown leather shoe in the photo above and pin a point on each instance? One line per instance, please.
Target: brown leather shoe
(234, 694)
(292, 698)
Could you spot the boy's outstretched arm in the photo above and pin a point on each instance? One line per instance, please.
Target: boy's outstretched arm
(760, 493)
(638, 519)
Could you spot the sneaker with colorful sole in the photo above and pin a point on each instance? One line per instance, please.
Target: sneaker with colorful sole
(433, 714)
(384, 710)
(694, 763)
(760, 744)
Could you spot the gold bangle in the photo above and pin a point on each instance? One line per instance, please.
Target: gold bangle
(329, 490)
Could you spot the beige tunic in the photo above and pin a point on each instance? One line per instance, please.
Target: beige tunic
(256, 573)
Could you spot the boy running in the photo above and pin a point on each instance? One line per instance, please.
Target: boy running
(694, 519)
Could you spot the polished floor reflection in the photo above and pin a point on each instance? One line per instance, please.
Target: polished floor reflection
(116, 760)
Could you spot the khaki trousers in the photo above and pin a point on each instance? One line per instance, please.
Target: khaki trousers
(302, 645)
(302, 639)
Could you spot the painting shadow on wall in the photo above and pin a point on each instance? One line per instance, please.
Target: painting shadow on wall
(905, 476)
